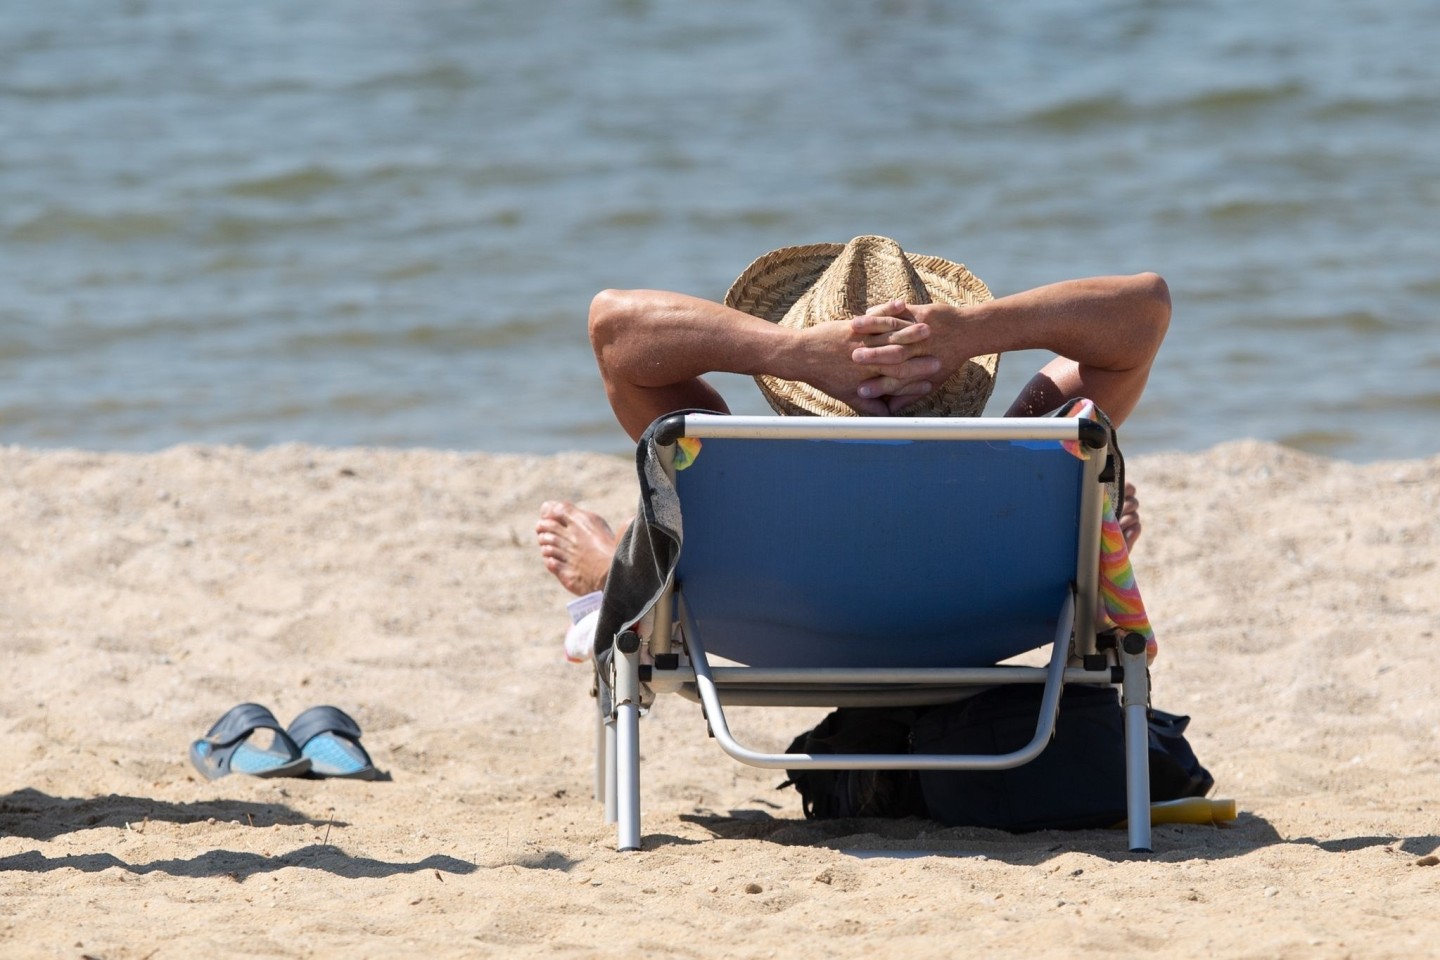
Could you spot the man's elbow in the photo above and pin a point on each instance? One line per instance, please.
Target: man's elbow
(1152, 298)
(608, 312)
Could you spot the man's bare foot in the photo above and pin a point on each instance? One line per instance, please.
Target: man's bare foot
(1130, 517)
(576, 544)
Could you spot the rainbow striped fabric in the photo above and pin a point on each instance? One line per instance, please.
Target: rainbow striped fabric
(1120, 601)
(1120, 597)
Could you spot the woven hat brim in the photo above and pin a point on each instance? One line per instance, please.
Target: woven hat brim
(772, 285)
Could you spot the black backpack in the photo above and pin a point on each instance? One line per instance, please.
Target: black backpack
(1077, 782)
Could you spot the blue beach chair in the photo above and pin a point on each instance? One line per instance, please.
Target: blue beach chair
(859, 561)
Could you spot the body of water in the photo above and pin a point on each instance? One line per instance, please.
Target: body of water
(381, 223)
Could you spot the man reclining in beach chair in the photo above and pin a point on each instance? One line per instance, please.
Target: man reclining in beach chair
(838, 330)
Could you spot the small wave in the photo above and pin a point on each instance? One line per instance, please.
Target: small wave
(44, 93)
(271, 86)
(124, 226)
(426, 337)
(293, 185)
(899, 176)
(1353, 108)
(1426, 288)
(1083, 112)
(1325, 443)
(378, 403)
(1403, 403)
(102, 277)
(754, 218)
(1364, 322)
(1112, 109)
(628, 219)
(238, 229)
(231, 261)
(79, 337)
(410, 271)
(261, 413)
(15, 349)
(1239, 98)
(1251, 210)
(48, 422)
(439, 76)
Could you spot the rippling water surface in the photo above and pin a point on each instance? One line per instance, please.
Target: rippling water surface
(381, 223)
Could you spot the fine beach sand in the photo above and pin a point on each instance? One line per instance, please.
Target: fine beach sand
(1297, 600)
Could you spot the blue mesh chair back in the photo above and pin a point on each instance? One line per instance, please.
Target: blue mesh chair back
(877, 553)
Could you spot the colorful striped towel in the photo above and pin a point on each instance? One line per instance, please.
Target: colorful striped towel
(1120, 601)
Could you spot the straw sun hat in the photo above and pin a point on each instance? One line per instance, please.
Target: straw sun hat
(798, 287)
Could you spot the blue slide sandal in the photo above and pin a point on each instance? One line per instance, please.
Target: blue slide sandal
(330, 739)
(232, 746)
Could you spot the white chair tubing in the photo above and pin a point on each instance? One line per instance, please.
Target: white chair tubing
(1044, 727)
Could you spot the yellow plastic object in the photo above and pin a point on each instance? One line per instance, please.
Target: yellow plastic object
(1190, 810)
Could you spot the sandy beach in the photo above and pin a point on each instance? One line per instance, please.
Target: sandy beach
(1296, 599)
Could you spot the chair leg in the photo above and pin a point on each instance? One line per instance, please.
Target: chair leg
(602, 752)
(627, 744)
(610, 758)
(627, 774)
(1135, 698)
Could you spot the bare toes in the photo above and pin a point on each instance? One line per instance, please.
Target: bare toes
(576, 545)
